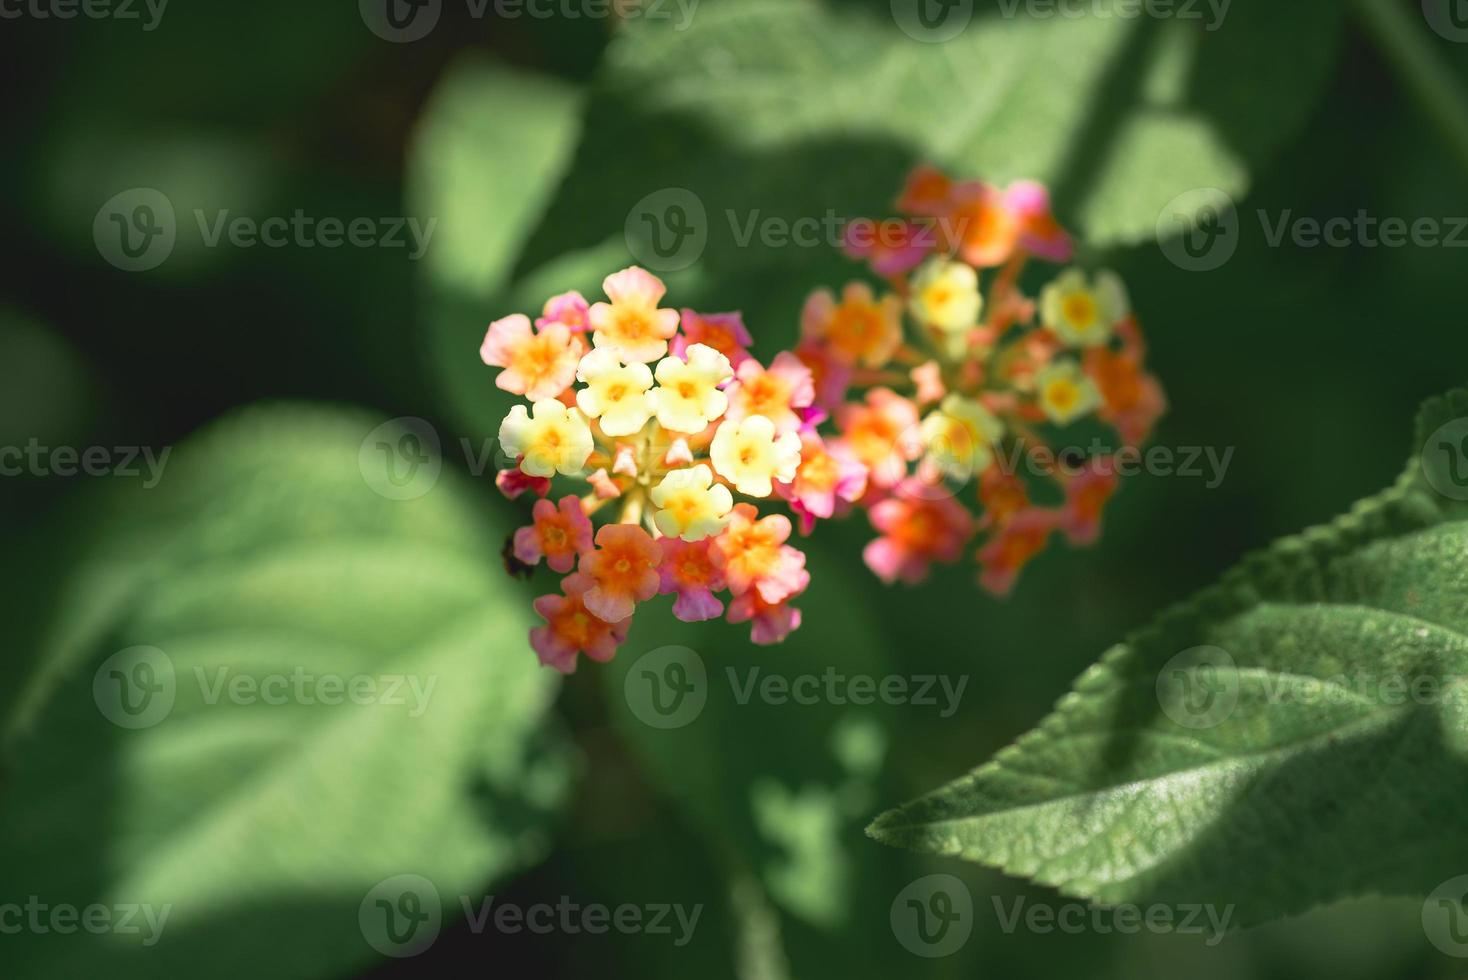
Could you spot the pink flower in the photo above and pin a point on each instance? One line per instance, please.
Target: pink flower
(771, 622)
(631, 325)
(560, 534)
(512, 483)
(688, 570)
(753, 554)
(623, 570)
(536, 365)
(724, 332)
(1040, 233)
(1086, 496)
(828, 475)
(927, 378)
(830, 376)
(891, 247)
(777, 393)
(882, 434)
(571, 628)
(1018, 541)
(569, 310)
(603, 485)
(917, 529)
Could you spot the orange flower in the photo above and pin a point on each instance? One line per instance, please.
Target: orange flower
(753, 555)
(1003, 496)
(770, 622)
(1131, 399)
(882, 434)
(623, 570)
(860, 328)
(916, 529)
(981, 227)
(929, 192)
(1011, 549)
(1086, 496)
(571, 628)
(560, 533)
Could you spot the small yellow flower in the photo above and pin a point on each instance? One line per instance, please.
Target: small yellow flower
(692, 506)
(555, 439)
(945, 294)
(615, 394)
(1065, 393)
(688, 398)
(959, 438)
(1081, 314)
(748, 454)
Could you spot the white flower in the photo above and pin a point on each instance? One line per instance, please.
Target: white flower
(945, 294)
(749, 455)
(692, 506)
(616, 394)
(1081, 314)
(688, 398)
(555, 439)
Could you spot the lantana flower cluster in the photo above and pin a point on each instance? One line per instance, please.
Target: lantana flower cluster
(953, 383)
(674, 430)
(905, 402)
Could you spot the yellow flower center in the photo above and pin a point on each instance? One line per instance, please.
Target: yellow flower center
(633, 324)
(1080, 310)
(1062, 395)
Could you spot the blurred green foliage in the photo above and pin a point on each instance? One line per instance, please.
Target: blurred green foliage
(529, 140)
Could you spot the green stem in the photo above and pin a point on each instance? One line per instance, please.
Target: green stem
(1404, 43)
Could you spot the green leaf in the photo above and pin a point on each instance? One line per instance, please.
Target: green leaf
(1261, 745)
(340, 693)
(772, 109)
(487, 156)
